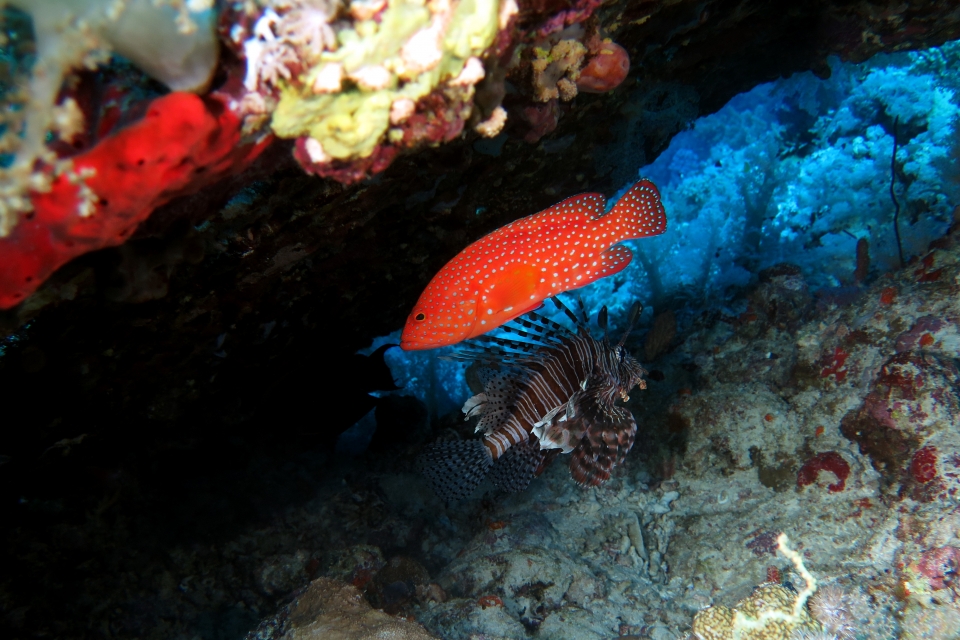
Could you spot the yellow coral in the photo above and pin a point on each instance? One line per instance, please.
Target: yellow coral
(555, 72)
(723, 623)
(412, 49)
(771, 612)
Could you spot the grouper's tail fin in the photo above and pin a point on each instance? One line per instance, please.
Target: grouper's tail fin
(454, 468)
(639, 213)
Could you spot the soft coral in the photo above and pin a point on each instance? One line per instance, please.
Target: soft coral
(183, 143)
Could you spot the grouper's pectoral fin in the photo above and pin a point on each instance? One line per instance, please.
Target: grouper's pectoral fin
(614, 260)
(507, 295)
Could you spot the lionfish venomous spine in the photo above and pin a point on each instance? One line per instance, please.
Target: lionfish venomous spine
(546, 390)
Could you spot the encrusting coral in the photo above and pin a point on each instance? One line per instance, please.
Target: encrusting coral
(371, 84)
(771, 612)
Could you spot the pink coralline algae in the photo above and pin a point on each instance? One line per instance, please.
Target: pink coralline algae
(906, 425)
(827, 461)
(925, 272)
(345, 172)
(580, 11)
(940, 566)
(763, 542)
(922, 331)
(605, 70)
(542, 119)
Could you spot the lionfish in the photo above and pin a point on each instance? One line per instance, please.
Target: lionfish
(545, 391)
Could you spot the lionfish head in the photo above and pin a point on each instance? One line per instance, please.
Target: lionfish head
(629, 374)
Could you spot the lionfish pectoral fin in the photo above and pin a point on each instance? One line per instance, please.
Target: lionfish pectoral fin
(474, 406)
(542, 427)
(605, 442)
(558, 433)
(454, 468)
(571, 411)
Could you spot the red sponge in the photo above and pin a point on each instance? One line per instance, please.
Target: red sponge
(605, 70)
(184, 143)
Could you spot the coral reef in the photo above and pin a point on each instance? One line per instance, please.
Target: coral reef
(168, 479)
(771, 612)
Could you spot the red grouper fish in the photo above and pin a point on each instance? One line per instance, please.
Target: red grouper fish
(511, 271)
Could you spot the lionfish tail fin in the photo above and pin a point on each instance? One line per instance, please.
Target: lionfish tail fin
(454, 468)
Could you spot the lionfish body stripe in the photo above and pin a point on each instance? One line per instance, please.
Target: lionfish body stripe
(548, 388)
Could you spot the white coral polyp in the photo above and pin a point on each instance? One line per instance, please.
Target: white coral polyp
(471, 74)
(492, 126)
(401, 109)
(307, 29)
(329, 79)
(315, 150)
(422, 52)
(371, 77)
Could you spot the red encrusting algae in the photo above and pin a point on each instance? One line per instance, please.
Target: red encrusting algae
(827, 461)
(923, 466)
(835, 365)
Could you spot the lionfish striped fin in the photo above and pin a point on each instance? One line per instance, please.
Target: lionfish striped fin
(570, 314)
(557, 329)
(495, 404)
(491, 357)
(538, 336)
(583, 311)
(608, 432)
(542, 329)
(635, 310)
(508, 343)
(603, 447)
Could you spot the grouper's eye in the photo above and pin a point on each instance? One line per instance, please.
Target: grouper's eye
(419, 317)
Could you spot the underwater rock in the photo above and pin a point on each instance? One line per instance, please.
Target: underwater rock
(782, 296)
(332, 610)
(298, 271)
(906, 425)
